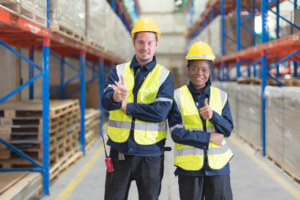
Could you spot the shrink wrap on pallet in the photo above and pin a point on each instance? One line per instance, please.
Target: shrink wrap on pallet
(232, 90)
(274, 123)
(291, 120)
(243, 112)
(296, 21)
(109, 29)
(123, 42)
(254, 116)
(95, 26)
(69, 14)
(37, 7)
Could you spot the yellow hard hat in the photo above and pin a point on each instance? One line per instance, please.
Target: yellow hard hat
(145, 24)
(200, 51)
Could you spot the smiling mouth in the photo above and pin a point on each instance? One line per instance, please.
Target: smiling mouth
(199, 79)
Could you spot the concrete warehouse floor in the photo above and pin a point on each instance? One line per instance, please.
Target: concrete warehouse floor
(252, 177)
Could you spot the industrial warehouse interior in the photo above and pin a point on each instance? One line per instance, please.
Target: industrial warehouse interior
(89, 105)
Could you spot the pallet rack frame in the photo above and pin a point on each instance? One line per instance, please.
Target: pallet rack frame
(39, 38)
(266, 53)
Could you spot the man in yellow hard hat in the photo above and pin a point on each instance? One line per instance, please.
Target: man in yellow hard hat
(139, 95)
(199, 120)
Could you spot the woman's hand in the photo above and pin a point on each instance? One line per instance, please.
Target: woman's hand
(206, 112)
(216, 138)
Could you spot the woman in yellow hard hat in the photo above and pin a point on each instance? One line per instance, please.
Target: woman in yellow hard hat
(199, 120)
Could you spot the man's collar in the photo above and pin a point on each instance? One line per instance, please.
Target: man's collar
(134, 63)
(194, 90)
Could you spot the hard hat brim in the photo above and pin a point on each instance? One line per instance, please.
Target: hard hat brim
(201, 57)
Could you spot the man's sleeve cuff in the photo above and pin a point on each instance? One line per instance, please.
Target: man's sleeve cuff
(129, 109)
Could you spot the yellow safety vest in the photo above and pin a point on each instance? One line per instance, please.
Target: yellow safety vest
(120, 124)
(191, 158)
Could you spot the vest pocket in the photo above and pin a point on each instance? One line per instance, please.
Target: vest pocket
(183, 159)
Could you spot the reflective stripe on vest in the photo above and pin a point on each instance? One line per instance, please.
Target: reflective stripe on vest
(120, 124)
(191, 158)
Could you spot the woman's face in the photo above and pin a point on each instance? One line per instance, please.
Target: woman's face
(199, 73)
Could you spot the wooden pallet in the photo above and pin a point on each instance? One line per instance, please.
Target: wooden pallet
(55, 157)
(250, 145)
(284, 171)
(17, 9)
(33, 109)
(95, 46)
(58, 145)
(90, 144)
(34, 17)
(65, 163)
(67, 32)
(292, 177)
(274, 162)
(35, 133)
(11, 6)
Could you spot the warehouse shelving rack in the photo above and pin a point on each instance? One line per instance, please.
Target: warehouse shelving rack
(274, 52)
(22, 33)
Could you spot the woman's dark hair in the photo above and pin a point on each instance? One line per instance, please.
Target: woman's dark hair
(210, 64)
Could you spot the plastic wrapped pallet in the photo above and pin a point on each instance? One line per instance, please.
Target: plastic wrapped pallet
(243, 113)
(296, 21)
(109, 29)
(204, 36)
(68, 16)
(274, 123)
(124, 47)
(254, 116)
(291, 120)
(217, 84)
(232, 88)
(35, 10)
(95, 25)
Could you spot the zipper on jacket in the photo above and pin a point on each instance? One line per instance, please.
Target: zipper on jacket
(133, 119)
(204, 128)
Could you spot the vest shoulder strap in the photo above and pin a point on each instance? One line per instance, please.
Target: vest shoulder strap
(163, 76)
(121, 69)
(223, 95)
(177, 98)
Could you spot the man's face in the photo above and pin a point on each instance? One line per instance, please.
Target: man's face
(145, 45)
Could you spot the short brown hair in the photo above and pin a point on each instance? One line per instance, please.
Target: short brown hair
(156, 35)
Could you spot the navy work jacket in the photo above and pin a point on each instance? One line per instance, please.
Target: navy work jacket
(155, 112)
(200, 139)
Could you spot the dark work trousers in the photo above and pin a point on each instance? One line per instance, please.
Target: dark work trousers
(146, 171)
(210, 187)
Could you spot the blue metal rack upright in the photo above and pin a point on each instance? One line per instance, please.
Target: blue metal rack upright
(39, 38)
(274, 52)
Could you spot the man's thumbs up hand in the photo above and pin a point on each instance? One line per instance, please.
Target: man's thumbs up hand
(121, 91)
(123, 80)
(206, 112)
